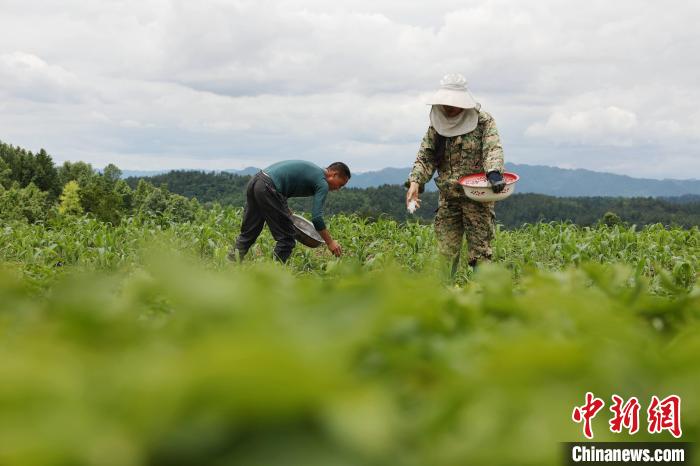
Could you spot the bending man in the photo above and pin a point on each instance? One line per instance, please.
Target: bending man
(266, 202)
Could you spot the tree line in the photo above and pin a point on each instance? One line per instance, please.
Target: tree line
(33, 188)
(389, 200)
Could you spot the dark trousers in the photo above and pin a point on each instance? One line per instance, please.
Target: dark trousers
(265, 205)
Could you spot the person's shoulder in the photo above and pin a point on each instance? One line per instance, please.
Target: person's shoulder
(303, 164)
(485, 117)
(317, 173)
(317, 169)
(306, 163)
(296, 162)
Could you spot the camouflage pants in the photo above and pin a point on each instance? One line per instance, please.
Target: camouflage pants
(457, 216)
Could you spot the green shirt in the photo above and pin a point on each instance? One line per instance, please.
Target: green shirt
(297, 178)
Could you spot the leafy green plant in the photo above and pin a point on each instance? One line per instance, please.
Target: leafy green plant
(28, 204)
(179, 364)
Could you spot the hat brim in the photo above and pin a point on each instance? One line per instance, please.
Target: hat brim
(460, 99)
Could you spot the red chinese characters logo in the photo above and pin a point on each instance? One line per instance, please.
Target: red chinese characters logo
(661, 415)
(626, 415)
(665, 415)
(587, 412)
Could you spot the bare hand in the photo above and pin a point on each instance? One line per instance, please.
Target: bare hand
(335, 248)
(412, 194)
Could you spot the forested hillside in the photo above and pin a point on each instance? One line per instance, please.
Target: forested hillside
(388, 200)
(222, 187)
(33, 189)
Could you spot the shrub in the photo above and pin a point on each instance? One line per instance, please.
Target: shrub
(29, 203)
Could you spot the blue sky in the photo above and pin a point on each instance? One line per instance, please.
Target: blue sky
(156, 84)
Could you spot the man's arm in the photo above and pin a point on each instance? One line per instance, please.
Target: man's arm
(332, 244)
(423, 167)
(317, 208)
(491, 149)
(319, 224)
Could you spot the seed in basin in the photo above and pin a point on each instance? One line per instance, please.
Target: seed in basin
(478, 188)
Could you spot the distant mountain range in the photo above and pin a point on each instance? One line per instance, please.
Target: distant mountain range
(141, 173)
(539, 179)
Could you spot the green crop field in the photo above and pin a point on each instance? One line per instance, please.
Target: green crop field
(140, 344)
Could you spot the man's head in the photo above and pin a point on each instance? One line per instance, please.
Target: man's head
(454, 110)
(337, 175)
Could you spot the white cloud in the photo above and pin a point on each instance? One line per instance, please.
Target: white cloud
(638, 115)
(596, 126)
(29, 77)
(234, 81)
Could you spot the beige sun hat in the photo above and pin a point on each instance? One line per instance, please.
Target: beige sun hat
(453, 92)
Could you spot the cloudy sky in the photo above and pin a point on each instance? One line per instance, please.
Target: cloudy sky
(216, 84)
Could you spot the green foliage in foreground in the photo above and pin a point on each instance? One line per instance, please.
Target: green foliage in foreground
(174, 364)
(140, 344)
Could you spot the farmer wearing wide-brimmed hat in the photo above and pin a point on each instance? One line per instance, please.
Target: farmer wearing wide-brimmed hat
(462, 140)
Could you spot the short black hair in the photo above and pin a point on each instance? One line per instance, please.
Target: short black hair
(340, 167)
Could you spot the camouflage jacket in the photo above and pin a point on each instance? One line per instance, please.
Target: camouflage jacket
(475, 152)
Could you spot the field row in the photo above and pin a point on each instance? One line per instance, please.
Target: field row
(657, 252)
